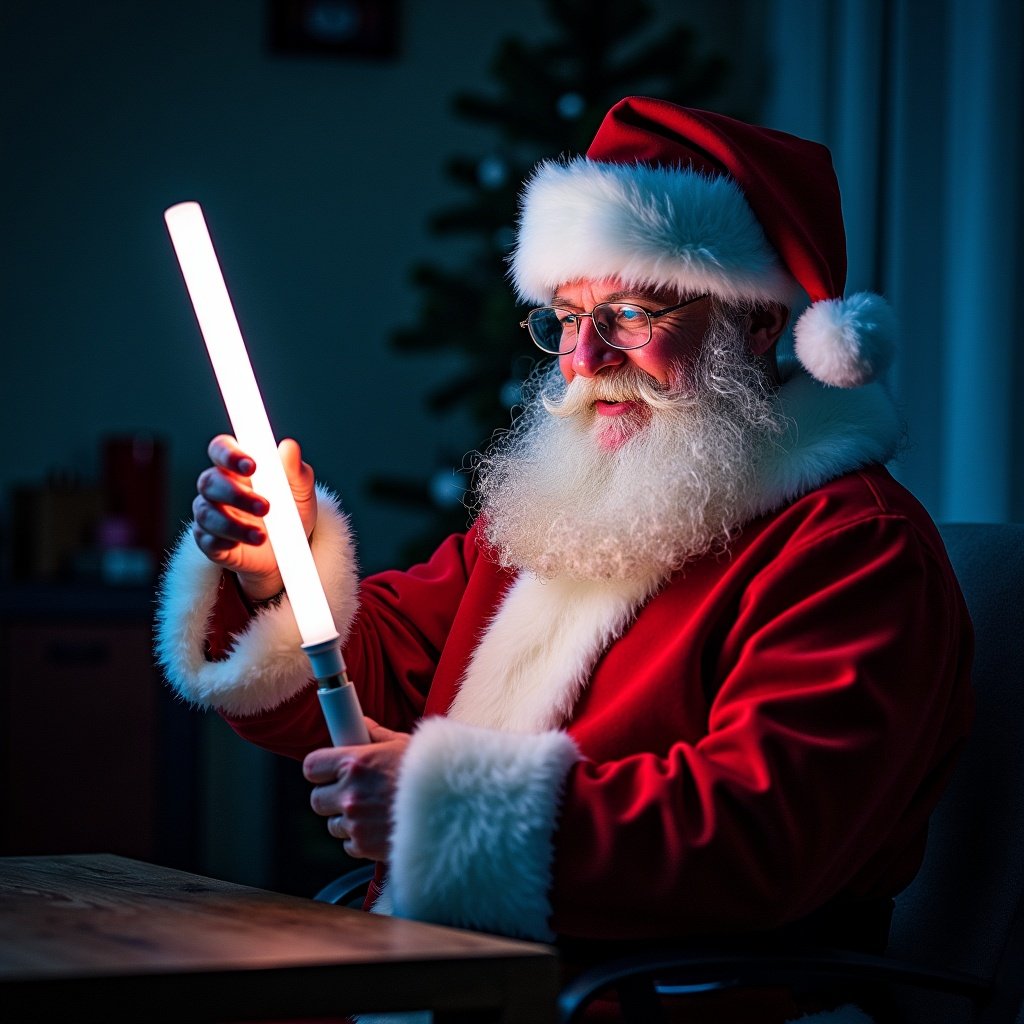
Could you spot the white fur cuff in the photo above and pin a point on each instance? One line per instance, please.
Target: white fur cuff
(475, 815)
(266, 665)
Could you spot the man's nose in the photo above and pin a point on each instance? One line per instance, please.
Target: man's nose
(593, 354)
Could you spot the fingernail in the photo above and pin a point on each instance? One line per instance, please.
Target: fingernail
(259, 507)
(246, 466)
(255, 536)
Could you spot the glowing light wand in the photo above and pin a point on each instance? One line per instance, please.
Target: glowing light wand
(219, 326)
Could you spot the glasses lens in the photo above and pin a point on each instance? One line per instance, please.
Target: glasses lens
(554, 330)
(622, 324)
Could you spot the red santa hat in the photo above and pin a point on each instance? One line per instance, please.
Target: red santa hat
(700, 202)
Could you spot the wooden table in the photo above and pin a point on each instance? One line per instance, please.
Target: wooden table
(104, 938)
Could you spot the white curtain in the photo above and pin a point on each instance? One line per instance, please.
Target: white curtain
(921, 104)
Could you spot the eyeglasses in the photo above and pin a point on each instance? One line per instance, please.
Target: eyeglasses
(623, 325)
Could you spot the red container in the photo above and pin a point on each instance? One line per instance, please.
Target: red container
(135, 489)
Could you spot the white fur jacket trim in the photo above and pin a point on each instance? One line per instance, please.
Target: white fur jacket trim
(266, 665)
(542, 644)
(473, 822)
(479, 791)
(829, 431)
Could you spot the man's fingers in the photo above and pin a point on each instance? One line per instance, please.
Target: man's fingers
(328, 764)
(223, 451)
(220, 488)
(215, 548)
(336, 827)
(300, 474)
(213, 521)
(291, 454)
(359, 840)
(211, 544)
(378, 733)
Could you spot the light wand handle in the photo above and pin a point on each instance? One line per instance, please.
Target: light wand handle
(338, 699)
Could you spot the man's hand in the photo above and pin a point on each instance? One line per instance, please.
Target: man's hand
(228, 514)
(354, 789)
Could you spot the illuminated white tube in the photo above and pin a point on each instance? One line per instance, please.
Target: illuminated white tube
(219, 326)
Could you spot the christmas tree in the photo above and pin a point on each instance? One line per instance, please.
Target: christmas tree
(549, 98)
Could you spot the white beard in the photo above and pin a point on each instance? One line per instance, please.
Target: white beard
(561, 495)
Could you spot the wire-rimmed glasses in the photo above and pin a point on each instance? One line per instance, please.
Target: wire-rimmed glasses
(623, 325)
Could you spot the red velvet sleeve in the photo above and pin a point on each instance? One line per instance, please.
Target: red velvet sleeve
(391, 651)
(403, 622)
(839, 697)
(231, 614)
(293, 728)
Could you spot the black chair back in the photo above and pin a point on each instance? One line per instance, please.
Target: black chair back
(965, 908)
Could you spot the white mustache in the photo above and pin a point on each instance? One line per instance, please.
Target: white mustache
(629, 384)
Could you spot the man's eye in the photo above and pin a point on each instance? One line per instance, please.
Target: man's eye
(627, 314)
(567, 319)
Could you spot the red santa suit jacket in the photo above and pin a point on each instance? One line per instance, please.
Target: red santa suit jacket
(762, 734)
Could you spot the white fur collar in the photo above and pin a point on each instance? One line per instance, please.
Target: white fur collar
(539, 650)
(830, 431)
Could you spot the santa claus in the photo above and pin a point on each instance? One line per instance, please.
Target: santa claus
(700, 665)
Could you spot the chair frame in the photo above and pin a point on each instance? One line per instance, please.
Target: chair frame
(639, 978)
(349, 889)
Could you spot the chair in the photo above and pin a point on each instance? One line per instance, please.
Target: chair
(965, 908)
(956, 951)
(349, 889)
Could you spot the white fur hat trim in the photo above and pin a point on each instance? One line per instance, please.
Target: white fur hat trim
(846, 342)
(653, 226)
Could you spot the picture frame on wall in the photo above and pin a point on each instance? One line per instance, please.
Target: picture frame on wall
(334, 28)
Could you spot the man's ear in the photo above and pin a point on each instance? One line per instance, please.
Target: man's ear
(763, 325)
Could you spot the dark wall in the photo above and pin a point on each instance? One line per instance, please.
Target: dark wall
(317, 175)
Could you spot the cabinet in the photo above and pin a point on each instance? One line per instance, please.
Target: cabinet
(98, 756)
(95, 754)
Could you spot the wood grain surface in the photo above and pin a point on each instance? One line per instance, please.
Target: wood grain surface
(113, 937)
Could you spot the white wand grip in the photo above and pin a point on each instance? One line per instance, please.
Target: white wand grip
(345, 720)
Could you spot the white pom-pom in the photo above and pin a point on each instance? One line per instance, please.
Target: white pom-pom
(846, 342)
